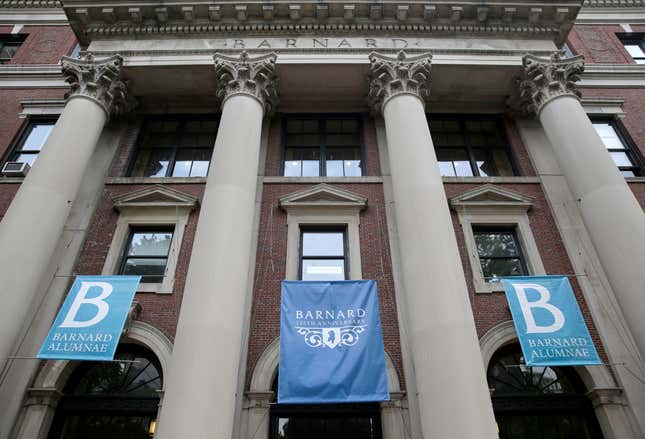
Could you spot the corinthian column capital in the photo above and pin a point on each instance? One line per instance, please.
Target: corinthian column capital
(392, 76)
(98, 81)
(546, 79)
(253, 77)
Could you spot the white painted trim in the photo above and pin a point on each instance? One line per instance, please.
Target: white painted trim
(33, 17)
(604, 106)
(509, 210)
(137, 209)
(41, 107)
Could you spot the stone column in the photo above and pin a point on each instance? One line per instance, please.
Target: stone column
(615, 220)
(32, 226)
(201, 387)
(453, 395)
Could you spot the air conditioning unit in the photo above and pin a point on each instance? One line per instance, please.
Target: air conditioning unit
(15, 169)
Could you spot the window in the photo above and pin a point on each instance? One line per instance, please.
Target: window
(617, 148)
(322, 254)
(175, 147)
(9, 45)
(470, 146)
(32, 141)
(568, 53)
(635, 46)
(111, 399)
(499, 252)
(538, 402)
(324, 146)
(146, 253)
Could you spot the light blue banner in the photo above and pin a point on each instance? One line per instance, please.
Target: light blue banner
(331, 345)
(90, 322)
(548, 321)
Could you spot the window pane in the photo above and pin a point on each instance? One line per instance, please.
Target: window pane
(152, 163)
(334, 168)
(323, 269)
(343, 139)
(323, 244)
(627, 173)
(608, 135)
(150, 244)
(292, 168)
(456, 158)
(191, 163)
(496, 244)
(621, 159)
(635, 50)
(303, 140)
(37, 136)
(26, 158)
(501, 267)
(502, 163)
(485, 162)
(343, 161)
(152, 269)
(446, 169)
(353, 168)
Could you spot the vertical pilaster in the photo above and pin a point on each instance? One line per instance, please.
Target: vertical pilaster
(33, 224)
(447, 361)
(201, 387)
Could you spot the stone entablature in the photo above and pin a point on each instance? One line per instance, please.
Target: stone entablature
(91, 20)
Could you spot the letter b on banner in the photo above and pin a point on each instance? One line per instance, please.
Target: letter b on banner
(527, 307)
(102, 307)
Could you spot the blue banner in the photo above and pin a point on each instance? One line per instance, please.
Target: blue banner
(90, 322)
(549, 324)
(331, 345)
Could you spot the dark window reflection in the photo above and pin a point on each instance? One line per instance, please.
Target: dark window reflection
(499, 253)
(147, 254)
(175, 148)
(470, 146)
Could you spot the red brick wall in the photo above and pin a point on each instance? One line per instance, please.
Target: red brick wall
(159, 310)
(491, 309)
(43, 45)
(599, 44)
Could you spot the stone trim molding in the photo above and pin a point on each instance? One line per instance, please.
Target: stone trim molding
(547, 79)
(41, 107)
(98, 81)
(254, 77)
(23, 4)
(612, 107)
(323, 196)
(390, 77)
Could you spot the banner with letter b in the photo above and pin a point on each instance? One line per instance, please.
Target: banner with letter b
(549, 324)
(89, 323)
(331, 345)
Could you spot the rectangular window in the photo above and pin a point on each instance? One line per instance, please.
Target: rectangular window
(617, 148)
(635, 46)
(9, 45)
(32, 141)
(499, 252)
(146, 253)
(323, 254)
(471, 146)
(322, 146)
(175, 147)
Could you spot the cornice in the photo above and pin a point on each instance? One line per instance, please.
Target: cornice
(92, 20)
(24, 4)
(613, 3)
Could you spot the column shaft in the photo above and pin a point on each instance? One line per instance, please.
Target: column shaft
(615, 220)
(201, 387)
(447, 360)
(35, 219)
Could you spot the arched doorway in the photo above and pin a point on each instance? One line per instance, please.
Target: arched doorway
(106, 400)
(538, 402)
(324, 421)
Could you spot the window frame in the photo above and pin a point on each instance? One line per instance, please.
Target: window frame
(133, 229)
(17, 145)
(493, 228)
(322, 118)
(628, 149)
(13, 40)
(637, 39)
(461, 119)
(309, 228)
(183, 119)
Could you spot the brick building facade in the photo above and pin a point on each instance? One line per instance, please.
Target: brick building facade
(319, 139)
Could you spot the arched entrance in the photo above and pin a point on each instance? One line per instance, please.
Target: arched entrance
(111, 399)
(538, 402)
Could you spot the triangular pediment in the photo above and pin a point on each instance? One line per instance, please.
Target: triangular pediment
(323, 195)
(491, 196)
(155, 196)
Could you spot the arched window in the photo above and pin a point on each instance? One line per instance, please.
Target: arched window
(538, 402)
(324, 421)
(111, 399)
